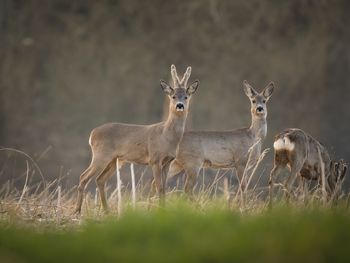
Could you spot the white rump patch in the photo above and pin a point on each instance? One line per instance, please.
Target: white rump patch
(279, 144)
(283, 144)
(288, 144)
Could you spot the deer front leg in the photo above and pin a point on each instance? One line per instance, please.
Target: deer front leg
(157, 175)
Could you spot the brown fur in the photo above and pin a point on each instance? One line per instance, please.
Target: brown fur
(304, 160)
(154, 144)
(223, 149)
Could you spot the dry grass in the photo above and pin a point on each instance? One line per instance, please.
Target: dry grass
(50, 203)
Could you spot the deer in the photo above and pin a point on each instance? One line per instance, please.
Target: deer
(154, 145)
(224, 149)
(306, 159)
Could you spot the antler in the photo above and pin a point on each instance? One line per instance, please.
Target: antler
(174, 75)
(186, 76)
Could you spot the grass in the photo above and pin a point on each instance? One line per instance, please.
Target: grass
(37, 224)
(40, 227)
(182, 234)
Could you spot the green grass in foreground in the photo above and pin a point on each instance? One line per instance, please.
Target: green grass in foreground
(186, 235)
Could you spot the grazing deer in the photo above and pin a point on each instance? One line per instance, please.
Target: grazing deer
(154, 145)
(224, 149)
(307, 157)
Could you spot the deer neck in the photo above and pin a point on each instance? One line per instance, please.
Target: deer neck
(175, 123)
(258, 127)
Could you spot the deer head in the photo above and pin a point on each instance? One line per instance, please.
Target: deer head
(180, 93)
(337, 174)
(338, 170)
(258, 100)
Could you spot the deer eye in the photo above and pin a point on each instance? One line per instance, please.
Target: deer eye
(186, 98)
(264, 101)
(174, 97)
(253, 101)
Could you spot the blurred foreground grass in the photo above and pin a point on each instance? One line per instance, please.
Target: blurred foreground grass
(183, 234)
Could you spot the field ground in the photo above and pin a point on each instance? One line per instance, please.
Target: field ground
(183, 234)
(40, 227)
(38, 224)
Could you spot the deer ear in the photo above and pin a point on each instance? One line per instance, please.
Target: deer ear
(344, 171)
(267, 92)
(192, 88)
(248, 90)
(166, 87)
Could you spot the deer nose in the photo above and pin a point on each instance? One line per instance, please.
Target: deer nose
(260, 109)
(180, 107)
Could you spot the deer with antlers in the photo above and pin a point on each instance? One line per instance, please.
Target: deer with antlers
(153, 145)
(307, 159)
(224, 149)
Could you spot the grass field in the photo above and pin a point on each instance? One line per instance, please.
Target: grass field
(182, 234)
(40, 227)
(37, 224)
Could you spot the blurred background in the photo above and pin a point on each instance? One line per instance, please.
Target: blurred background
(68, 66)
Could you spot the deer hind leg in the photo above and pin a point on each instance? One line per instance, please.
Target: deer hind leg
(165, 165)
(153, 189)
(294, 173)
(175, 168)
(95, 168)
(101, 182)
(242, 181)
(191, 178)
(83, 182)
(273, 174)
(304, 189)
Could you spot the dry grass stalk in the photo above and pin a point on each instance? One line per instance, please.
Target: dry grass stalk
(249, 172)
(25, 186)
(119, 190)
(323, 178)
(133, 188)
(34, 204)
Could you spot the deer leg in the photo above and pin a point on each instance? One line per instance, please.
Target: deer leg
(304, 189)
(153, 189)
(101, 182)
(242, 181)
(273, 174)
(191, 177)
(165, 169)
(152, 193)
(294, 173)
(83, 182)
(85, 177)
(157, 175)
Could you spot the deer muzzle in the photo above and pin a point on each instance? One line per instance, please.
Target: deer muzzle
(180, 107)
